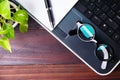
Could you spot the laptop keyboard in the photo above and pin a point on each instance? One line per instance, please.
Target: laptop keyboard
(103, 13)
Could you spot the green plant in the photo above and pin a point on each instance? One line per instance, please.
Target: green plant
(7, 18)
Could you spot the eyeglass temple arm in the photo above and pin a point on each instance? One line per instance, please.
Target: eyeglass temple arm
(74, 31)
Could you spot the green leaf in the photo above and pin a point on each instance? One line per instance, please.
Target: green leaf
(4, 31)
(23, 28)
(5, 9)
(11, 32)
(7, 30)
(21, 16)
(1, 1)
(5, 44)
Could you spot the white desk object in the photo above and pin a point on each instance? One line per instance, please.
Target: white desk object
(38, 10)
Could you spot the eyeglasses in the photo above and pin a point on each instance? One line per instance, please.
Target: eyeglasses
(86, 33)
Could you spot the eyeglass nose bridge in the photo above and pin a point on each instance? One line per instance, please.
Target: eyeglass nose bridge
(87, 31)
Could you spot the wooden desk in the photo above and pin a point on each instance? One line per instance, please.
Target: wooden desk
(38, 56)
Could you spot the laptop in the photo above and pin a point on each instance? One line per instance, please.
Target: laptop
(90, 29)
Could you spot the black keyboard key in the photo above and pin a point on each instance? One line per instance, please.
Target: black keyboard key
(86, 1)
(118, 12)
(81, 7)
(104, 26)
(96, 11)
(96, 20)
(108, 2)
(119, 42)
(118, 31)
(116, 36)
(112, 23)
(83, 2)
(88, 14)
(91, 6)
(103, 16)
(116, 1)
(105, 8)
(109, 31)
(117, 19)
(111, 13)
(119, 3)
(99, 3)
(93, 1)
(114, 6)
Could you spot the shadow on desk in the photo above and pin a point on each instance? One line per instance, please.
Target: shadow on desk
(37, 56)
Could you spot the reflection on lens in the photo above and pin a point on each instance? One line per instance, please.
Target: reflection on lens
(104, 52)
(86, 32)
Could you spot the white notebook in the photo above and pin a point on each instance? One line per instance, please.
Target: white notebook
(38, 10)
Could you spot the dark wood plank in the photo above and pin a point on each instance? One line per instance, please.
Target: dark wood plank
(53, 72)
(36, 46)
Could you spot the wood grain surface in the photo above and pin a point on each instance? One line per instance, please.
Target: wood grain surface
(38, 56)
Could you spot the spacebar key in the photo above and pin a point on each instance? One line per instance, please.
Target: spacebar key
(112, 24)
